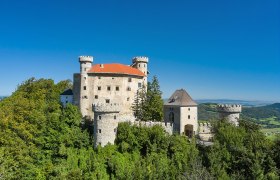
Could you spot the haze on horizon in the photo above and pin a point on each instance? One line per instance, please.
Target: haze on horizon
(213, 49)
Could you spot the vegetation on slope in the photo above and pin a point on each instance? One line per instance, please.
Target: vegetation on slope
(41, 140)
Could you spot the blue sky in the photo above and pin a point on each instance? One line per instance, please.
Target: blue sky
(213, 49)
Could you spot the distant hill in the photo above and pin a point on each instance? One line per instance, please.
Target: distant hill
(232, 101)
(267, 116)
(2, 97)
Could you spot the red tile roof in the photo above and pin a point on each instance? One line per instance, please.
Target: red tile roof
(115, 69)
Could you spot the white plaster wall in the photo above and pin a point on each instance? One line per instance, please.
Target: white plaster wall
(64, 99)
(185, 112)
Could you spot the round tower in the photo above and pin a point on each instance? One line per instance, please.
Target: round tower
(141, 63)
(106, 118)
(230, 112)
(85, 65)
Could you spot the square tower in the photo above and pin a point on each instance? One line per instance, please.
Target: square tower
(181, 110)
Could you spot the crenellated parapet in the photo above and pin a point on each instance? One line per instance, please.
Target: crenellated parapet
(140, 59)
(107, 108)
(205, 132)
(229, 108)
(205, 127)
(168, 127)
(85, 58)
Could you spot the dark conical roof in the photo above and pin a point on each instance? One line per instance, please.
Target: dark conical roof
(180, 98)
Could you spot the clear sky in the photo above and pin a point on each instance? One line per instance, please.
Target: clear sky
(212, 48)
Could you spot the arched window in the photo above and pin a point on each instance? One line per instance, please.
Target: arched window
(171, 117)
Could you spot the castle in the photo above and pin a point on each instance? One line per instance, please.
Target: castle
(105, 93)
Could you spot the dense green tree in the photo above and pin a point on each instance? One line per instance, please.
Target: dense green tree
(148, 105)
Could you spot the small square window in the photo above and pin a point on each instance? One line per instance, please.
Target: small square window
(85, 97)
(99, 77)
(107, 100)
(85, 69)
(108, 88)
(128, 89)
(99, 88)
(129, 79)
(66, 102)
(117, 88)
(189, 117)
(128, 99)
(99, 117)
(115, 130)
(139, 85)
(115, 117)
(85, 88)
(85, 77)
(113, 78)
(96, 96)
(99, 130)
(189, 109)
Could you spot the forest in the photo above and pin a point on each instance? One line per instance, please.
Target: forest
(41, 140)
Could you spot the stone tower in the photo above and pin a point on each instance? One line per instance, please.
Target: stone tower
(105, 123)
(181, 111)
(230, 112)
(85, 65)
(141, 63)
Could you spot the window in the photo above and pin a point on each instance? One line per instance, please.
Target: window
(99, 88)
(66, 97)
(66, 102)
(139, 65)
(128, 99)
(117, 88)
(96, 96)
(99, 77)
(139, 85)
(99, 143)
(85, 69)
(85, 97)
(171, 109)
(108, 88)
(107, 100)
(171, 117)
(99, 130)
(113, 78)
(129, 79)
(85, 88)
(189, 109)
(115, 130)
(128, 89)
(189, 117)
(99, 117)
(144, 65)
(85, 77)
(115, 117)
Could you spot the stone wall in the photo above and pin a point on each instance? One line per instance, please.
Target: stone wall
(205, 132)
(230, 112)
(168, 127)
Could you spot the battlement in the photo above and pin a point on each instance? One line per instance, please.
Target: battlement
(204, 124)
(140, 59)
(229, 108)
(167, 126)
(107, 108)
(86, 59)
